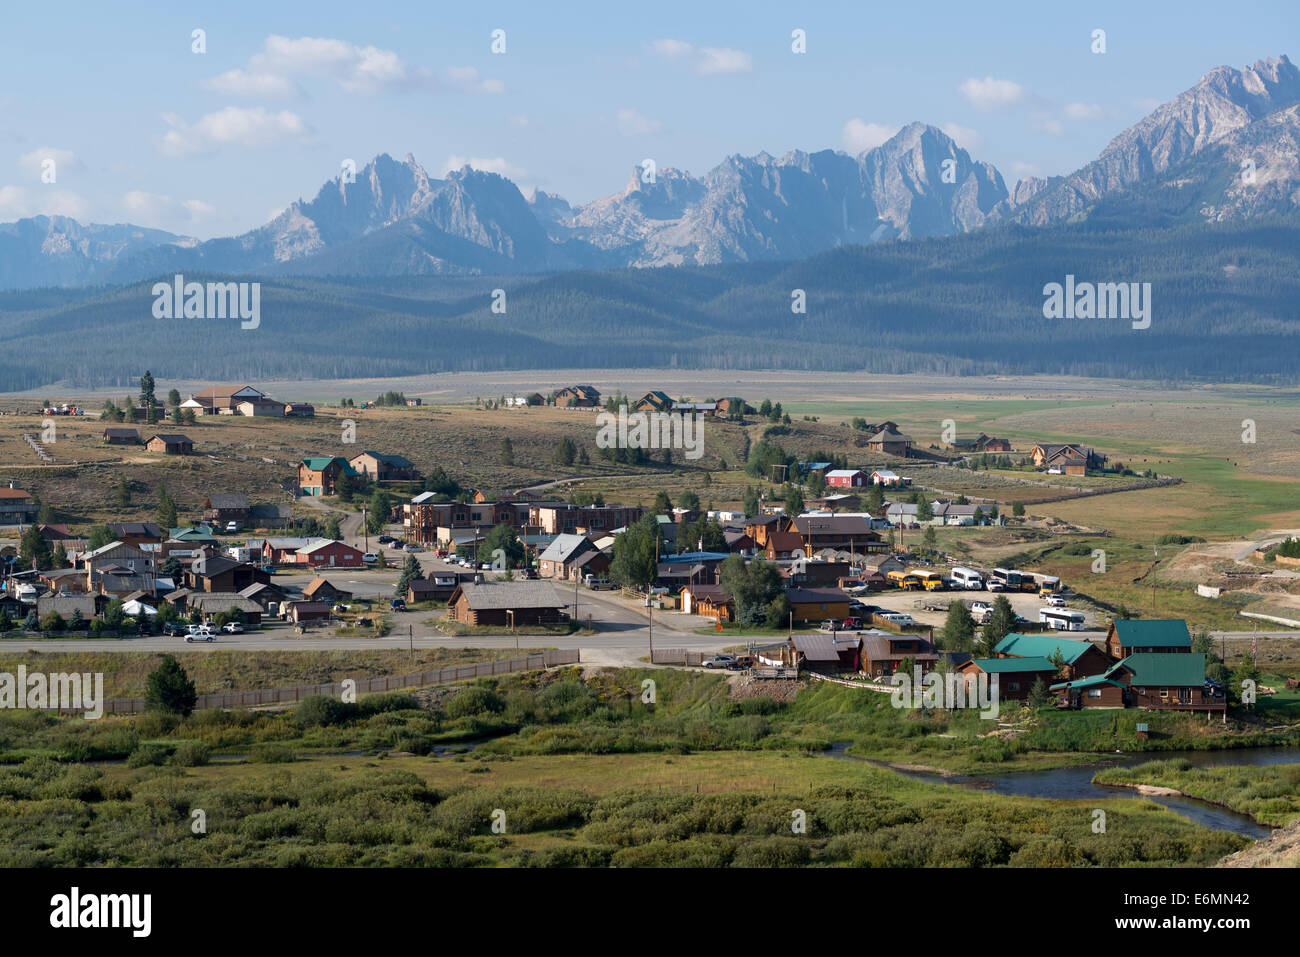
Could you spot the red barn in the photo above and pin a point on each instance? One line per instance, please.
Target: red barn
(329, 554)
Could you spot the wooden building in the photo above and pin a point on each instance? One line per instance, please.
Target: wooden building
(507, 604)
(170, 443)
(1129, 636)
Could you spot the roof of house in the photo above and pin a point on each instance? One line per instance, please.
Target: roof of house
(494, 596)
(227, 500)
(224, 391)
(1164, 668)
(190, 535)
(257, 588)
(396, 461)
(803, 596)
(1042, 646)
(318, 584)
(565, 547)
(832, 524)
(268, 511)
(1153, 633)
(292, 544)
(145, 529)
(318, 463)
(122, 433)
(838, 473)
(825, 647)
(1093, 681)
(211, 567)
(875, 646)
(318, 543)
(171, 438)
(785, 541)
(312, 607)
(1012, 665)
(890, 435)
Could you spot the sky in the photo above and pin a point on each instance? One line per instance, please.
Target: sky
(142, 128)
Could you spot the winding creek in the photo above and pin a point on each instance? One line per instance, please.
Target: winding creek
(1075, 783)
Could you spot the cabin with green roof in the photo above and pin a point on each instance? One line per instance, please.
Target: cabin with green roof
(1079, 658)
(1156, 635)
(1169, 681)
(318, 474)
(1016, 676)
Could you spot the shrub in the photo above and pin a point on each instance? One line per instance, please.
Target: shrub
(148, 755)
(321, 710)
(475, 700)
(191, 754)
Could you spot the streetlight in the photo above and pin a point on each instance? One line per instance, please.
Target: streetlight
(510, 612)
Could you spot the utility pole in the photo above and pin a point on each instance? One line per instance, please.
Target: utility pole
(650, 615)
(365, 527)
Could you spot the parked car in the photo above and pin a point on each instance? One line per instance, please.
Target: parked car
(233, 627)
(365, 622)
(897, 618)
(529, 573)
(995, 586)
(850, 624)
(397, 604)
(386, 540)
(201, 633)
(598, 584)
(411, 547)
(1057, 601)
(830, 624)
(720, 661)
(340, 607)
(369, 557)
(173, 630)
(269, 569)
(232, 527)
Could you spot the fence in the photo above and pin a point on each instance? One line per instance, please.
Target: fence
(267, 696)
(678, 656)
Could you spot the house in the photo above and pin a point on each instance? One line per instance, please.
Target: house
(439, 586)
(783, 546)
(121, 436)
(209, 606)
(191, 536)
(323, 553)
(709, 601)
(979, 443)
(882, 565)
(560, 557)
(223, 507)
(1097, 691)
(556, 519)
(844, 532)
(16, 506)
(653, 402)
(308, 612)
(210, 575)
(66, 606)
(136, 533)
(817, 604)
(414, 402)
(299, 410)
(1068, 459)
(841, 500)
(1082, 659)
(170, 443)
(1134, 636)
(951, 513)
(578, 397)
(318, 475)
(817, 573)
(383, 468)
(509, 603)
(847, 478)
(1168, 682)
(887, 478)
(260, 407)
(269, 516)
(882, 652)
(221, 399)
(319, 589)
(263, 594)
(827, 654)
(283, 551)
(118, 553)
(890, 441)
(1016, 676)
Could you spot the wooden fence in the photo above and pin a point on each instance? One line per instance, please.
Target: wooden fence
(268, 696)
(679, 656)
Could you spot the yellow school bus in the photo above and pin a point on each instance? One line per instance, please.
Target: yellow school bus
(931, 581)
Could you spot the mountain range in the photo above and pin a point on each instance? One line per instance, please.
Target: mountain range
(1226, 149)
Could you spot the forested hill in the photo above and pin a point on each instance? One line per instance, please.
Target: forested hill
(1226, 306)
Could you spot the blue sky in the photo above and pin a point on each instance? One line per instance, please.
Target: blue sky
(144, 130)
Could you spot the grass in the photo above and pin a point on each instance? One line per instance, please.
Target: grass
(1270, 795)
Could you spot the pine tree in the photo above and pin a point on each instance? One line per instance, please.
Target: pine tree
(169, 689)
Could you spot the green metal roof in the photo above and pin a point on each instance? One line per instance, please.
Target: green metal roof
(1042, 646)
(1089, 682)
(1013, 665)
(318, 462)
(1164, 668)
(1153, 633)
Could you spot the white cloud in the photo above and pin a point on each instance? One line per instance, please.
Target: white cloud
(1022, 170)
(495, 164)
(33, 163)
(357, 69)
(253, 85)
(232, 126)
(1083, 111)
(18, 203)
(1043, 122)
(467, 80)
(706, 61)
(153, 209)
(518, 120)
(632, 123)
(859, 136)
(965, 137)
(991, 94)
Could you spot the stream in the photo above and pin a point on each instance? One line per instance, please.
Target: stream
(1075, 784)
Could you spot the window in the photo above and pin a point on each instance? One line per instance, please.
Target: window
(1014, 686)
(1094, 692)
(1164, 692)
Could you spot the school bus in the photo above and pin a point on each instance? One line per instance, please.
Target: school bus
(931, 581)
(908, 581)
